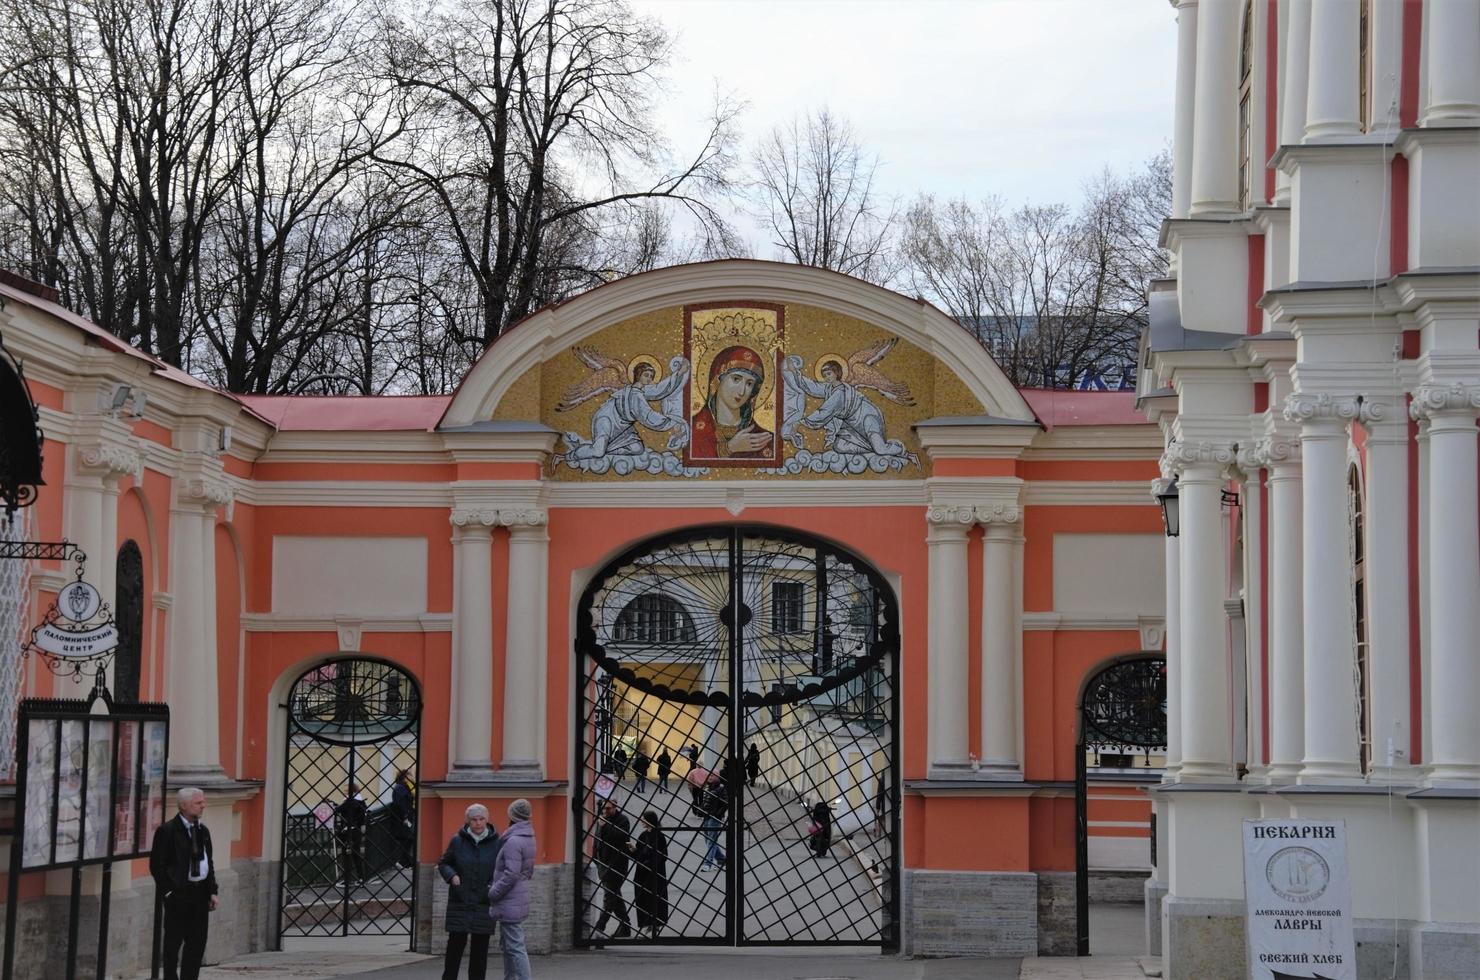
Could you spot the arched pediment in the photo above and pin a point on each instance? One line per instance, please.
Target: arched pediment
(826, 371)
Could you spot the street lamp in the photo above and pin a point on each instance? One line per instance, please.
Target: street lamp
(1168, 499)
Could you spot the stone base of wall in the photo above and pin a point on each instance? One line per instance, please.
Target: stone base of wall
(243, 924)
(548, 928)
(1057, 925)
(965, 913)
(1203, 939)
(1444, 951)
(1154, 892)
(1118, 887)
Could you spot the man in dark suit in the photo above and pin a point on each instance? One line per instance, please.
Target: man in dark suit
(184, 867)
(351, 817)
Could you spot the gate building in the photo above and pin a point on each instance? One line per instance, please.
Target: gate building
(704, 509)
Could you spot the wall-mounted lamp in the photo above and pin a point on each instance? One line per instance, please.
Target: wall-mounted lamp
(1169, 499)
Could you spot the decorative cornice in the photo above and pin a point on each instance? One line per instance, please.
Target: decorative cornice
(1451, 399)
(1307, 408)
(489, 517)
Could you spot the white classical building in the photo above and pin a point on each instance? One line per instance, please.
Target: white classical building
(1313, 364)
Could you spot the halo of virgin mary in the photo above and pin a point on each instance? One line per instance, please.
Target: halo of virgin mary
(725, 428)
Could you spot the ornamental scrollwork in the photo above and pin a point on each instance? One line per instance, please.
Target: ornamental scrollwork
(113, 460)
(1180, 455)
(1450, 399)
(1307, 408)
(208, 493)
(498, 517)
(947, 514)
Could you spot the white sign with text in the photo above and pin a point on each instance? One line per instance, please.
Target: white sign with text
(1298, 894)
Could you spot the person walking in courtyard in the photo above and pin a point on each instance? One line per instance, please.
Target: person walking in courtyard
(349, 819)
(665, 766)
(467, 867)
(508, 895)
(613, 840)
(820, 830)
(183, 865)
(619, 763)
(403, 819)
(716, 802)
(650, 876)
(753, 764)
(640, 763)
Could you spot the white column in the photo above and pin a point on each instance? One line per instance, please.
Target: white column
(1001, 624)
(1215, 116)
(946, 542)
(1332, 100)
(472, 644)
(190, 662)
(1183, 101)
(1207, 748)
(1452, 44)
(1331, 737)
(1387, 578)
(1454, 580)
(1173, 593)
(1293, 85)
(524, 653)
(1286, 612)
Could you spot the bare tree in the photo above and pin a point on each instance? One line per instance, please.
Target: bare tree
(533, 123)
(1057, 296)
(814, 187)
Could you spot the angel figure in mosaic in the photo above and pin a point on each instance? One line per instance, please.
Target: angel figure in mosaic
(852, 425)
(633, 389)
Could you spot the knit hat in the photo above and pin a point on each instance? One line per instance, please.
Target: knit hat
(519, 810)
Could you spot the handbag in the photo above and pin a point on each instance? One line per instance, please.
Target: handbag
(814, 828)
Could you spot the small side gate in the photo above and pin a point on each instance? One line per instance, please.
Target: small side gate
(349, 855)
(737, 687)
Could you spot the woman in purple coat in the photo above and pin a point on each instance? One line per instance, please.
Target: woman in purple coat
(508, 894)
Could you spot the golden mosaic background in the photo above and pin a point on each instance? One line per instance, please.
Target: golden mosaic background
(810, 333)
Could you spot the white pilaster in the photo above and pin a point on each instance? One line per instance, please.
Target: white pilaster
(1454, 579)
(1332, 98)
(1286, 611)
(1294, 76)
(524, 653)
(1452, 45)
(1215, 116)
(1387, 578)
(1183, 101)
(948, 607)
(1001, 625)
(1173, 635)
(1207, 748)
(190, 668)
(472, 644)
(1331, 737)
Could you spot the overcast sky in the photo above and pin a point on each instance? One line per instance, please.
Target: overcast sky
(1023, 98)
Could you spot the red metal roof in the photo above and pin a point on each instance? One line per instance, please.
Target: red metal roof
(343, 413)
(1055, 408)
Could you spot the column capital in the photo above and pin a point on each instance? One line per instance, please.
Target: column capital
(1457, 399)
(1270, 452)
(109, 461)
(948, 516)
(1310, 408)
(473, 518)
(204, 493)
(1181, 456)
(998, 514)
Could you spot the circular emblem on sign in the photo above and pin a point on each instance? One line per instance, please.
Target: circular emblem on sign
(78, 601)
(1298, 874)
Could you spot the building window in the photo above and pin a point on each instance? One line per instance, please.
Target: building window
(1359, 606)
(1246, 109)
(128, 605)
(654, 618)
(786, 607)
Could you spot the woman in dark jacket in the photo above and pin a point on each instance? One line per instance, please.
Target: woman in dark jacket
(467, 867)
(403, 810)
(822, 836)
(650, 876)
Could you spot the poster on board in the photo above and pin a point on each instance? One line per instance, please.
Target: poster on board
(97, 806)
(126, 793)
(73, 749)
(41, 760)
(1298, 896)
(151, 793)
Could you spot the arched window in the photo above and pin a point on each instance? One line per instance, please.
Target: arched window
(128, 613)
(1246, 108)
(1359, 606)
(654, 618)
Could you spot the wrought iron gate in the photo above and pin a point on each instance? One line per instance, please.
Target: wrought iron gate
(1123, 710)
(737, 695)
(349, 836)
